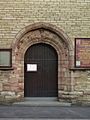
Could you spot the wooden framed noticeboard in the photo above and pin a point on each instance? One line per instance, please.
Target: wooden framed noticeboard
(82, 52)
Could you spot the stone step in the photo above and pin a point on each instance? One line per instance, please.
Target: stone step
(42, 103)
(40, 98)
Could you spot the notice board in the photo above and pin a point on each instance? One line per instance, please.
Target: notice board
(82, 52)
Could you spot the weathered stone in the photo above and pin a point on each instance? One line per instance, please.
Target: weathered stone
(6, 93)
(87, 92)
(1, 87)
(6, 87)
(1, 98)
(21, 86)
(14, 88)
(9, 97)
(71, 93)
(19, 98)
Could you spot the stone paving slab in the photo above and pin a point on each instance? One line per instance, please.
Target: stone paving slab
(42, 103)
(45, 112)
(38, 119)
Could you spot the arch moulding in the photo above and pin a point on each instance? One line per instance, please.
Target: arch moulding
(43, 33)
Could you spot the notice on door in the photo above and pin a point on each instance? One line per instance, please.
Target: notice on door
(32, 67)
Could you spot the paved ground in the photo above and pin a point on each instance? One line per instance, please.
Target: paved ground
(44, 112)
(38, 119)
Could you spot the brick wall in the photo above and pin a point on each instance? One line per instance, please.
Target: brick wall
(72, 16)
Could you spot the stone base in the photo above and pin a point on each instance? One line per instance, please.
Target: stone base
(7, 100)
(75, 98)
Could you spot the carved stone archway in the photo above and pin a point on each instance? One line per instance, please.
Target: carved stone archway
(43, 33)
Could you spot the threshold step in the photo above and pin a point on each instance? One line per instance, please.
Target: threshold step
(41, 103)
(40, 98)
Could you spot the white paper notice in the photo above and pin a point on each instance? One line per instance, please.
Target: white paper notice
(31, 67)
(77, 63)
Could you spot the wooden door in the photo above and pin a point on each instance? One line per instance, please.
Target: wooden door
(41, 71)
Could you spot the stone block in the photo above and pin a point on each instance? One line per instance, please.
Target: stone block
(6, 93)
(21, 86)
(1, 98)
(6, 87)
(1, 87)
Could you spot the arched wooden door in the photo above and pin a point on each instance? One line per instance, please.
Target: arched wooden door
(41, 71)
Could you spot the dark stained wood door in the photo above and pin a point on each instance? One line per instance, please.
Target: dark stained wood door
(43, 81)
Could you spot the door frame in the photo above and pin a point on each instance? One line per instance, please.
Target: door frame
(55, 81)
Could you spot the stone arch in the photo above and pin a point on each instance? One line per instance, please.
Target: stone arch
(46, 26)
(43, 33)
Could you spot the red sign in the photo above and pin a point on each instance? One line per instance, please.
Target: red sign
(82, 52)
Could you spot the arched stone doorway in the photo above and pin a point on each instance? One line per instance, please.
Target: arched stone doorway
(40, 71)
(46, 34)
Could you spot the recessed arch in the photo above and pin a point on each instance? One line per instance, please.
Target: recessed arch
(48, 34)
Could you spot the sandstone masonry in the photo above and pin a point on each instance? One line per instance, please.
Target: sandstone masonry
(72, 20)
